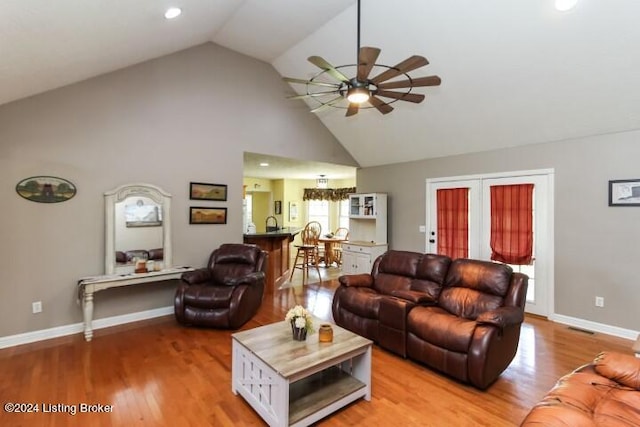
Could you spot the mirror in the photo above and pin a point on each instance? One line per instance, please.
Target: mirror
(138, 226)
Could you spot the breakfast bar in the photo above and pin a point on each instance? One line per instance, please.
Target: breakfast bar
(276, 244)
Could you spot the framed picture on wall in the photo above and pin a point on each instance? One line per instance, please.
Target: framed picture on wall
(624, 192)
(293, 211)
(46, 189)
(206, 215)
(277, 207)
(204, 191)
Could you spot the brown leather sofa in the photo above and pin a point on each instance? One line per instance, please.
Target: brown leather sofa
(227, 293)
(123, 257)
(605, 392)
(460, 317)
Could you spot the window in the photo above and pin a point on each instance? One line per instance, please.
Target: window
(248, 200)
(344, 214)
(319, 211)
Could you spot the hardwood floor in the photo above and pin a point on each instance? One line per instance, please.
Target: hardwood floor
(157, 373)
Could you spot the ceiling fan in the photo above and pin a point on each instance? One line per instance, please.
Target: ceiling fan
(361, 89)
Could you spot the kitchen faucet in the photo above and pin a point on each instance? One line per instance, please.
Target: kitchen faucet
(271, 228)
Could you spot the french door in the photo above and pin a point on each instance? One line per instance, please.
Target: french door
(478, 226)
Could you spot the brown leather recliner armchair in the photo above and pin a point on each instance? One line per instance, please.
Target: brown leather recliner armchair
(472, 331)
(225, 294)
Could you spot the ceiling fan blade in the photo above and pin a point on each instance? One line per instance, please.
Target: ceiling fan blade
(311, 95)
(419, 82)
(405, 66)
(366, 61)
(353, 109)
(411, 97)
(309, 82)
(380, 105)
(327, 104)
(330, 69)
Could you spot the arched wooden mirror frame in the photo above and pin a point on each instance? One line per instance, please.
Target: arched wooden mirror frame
(121, 193)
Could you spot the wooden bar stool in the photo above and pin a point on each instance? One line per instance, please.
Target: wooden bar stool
(308, 253)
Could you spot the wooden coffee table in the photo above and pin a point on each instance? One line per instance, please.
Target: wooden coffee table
(297, 383)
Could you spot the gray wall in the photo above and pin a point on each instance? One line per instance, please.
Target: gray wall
(596, 246)
(180, 118)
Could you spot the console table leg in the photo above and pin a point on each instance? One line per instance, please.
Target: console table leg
(87, 305)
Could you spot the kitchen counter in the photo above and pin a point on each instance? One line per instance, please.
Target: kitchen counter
(277, 245)
(283, 231)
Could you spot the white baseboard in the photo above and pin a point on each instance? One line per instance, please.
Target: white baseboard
(594, 326)
(61, 331)
(76, 328)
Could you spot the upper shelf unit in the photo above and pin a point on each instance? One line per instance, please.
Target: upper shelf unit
(367, 205)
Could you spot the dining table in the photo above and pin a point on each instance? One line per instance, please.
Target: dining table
(330, 244)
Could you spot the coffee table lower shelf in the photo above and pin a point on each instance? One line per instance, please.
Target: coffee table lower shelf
(320, 391)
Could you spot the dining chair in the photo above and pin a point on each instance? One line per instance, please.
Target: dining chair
(341, 232)
(308, 252)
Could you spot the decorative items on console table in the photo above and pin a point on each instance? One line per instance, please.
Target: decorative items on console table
(301, 322)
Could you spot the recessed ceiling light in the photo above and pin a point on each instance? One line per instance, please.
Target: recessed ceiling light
(172, 12)
(264, 164)
(564, 5)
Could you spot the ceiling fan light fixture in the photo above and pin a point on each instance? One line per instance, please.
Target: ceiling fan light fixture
(358, 95)
(361, 88)
(565, 5)
(172, 12)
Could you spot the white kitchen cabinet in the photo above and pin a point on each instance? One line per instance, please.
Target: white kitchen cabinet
(368, 217)
(358, 257)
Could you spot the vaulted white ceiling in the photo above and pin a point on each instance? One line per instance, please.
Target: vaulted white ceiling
(513, 72)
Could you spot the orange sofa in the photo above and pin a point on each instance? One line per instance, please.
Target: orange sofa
(605, 392)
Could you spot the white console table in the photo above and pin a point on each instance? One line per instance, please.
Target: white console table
(87, 286)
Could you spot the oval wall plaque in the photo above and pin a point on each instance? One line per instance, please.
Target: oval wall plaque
(46, 189)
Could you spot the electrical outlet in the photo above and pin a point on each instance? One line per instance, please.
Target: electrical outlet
(36, 307)
(599, 301)
(422, 229)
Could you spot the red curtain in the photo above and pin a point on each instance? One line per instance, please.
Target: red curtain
(512, 223)
(453, 222)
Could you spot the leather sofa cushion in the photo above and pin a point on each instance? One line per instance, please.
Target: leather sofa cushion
(401, 263)
(492, 278)
(622, 368)
(209, 297)
(438, 327)
(433, 268)
(396, 271)
(225, 274)
(156, 254)
(364, 302)
(473, 287)
(468, 303)
(431, 274)
(387, 283)
(121, 257)
(136, 253)
(231, 253)
(585, 398)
